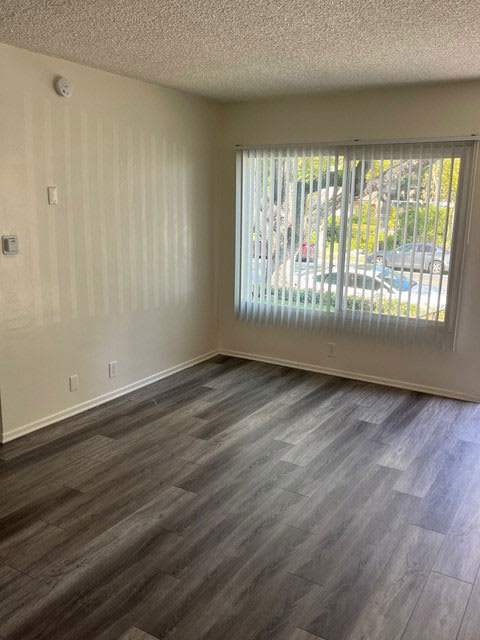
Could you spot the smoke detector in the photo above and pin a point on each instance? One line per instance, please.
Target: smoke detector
(63, 87)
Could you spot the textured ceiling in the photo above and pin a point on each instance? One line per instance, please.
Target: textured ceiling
(234, 50)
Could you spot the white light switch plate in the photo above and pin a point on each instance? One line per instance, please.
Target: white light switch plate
(73, 381)
(52, 195)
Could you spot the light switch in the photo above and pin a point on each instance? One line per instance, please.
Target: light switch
(52, 195)
(10, 245)
(73, 382)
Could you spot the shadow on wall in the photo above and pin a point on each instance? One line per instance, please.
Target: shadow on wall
(121, 238)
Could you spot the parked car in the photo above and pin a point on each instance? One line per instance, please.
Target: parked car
(311, 251)
(425, 256)
(371, 278)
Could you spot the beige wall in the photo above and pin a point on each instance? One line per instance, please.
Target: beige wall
(409, 112)
(123, 268)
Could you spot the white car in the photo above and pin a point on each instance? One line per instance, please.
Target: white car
(369, 279)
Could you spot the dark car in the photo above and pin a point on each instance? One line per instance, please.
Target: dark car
(426, 257)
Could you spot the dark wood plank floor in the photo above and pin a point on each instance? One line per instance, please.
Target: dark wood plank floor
(240, 500)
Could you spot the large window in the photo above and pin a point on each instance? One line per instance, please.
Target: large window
(365, 238)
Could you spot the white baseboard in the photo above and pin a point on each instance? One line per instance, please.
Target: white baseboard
(355, 375)
(105, 397)
(111, 395)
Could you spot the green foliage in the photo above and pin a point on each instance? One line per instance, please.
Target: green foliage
(373, 225)
(325, 301)
(333, 228)
(394, 308)
(368, 228)
(425, 222)
(355, 302)
(441, 171)
(314, 177)
(321, 301)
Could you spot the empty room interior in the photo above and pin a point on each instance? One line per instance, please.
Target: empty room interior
(239, 320)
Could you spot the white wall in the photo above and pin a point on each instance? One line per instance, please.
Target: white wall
(123, 268)
(443, 110)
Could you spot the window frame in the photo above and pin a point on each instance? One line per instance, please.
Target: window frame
(457, 249)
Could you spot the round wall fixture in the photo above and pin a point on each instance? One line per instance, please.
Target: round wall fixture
(63, 87)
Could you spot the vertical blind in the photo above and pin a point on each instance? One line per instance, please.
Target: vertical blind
(361, 238)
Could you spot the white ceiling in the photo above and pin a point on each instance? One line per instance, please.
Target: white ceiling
(234, 50)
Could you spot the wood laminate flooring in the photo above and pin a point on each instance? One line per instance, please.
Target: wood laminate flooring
(241, 500)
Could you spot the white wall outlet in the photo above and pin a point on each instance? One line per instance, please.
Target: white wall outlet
(52, 194)
(332, 347)
(113, 369)
(73, 382)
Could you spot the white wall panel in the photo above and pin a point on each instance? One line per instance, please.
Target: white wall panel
(123, 267)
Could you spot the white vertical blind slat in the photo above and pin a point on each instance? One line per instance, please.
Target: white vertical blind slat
(385, 239)
(324, 240)
(293, 232)
(349, 233)
(250, 195)
(285, 235)
(330, 212)
(447, 221)
(270, 242)
(369, 209)
(256, 249)
(424, 240)
(278, 229)
(395, 230)
(309, 236)
(350, 216)
(414, 234)
(377, 223)
(263, 231)
(238, 229)
(359, 235)
(404, 239)
(435, 231)
(316, 309)
(301, 220)
(342, 225)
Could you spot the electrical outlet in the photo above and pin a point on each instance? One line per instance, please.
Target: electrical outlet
(73, 382)
(113, 369)
(332, 346)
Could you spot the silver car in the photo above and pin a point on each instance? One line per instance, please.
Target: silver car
(371, 282)
(426, 257)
